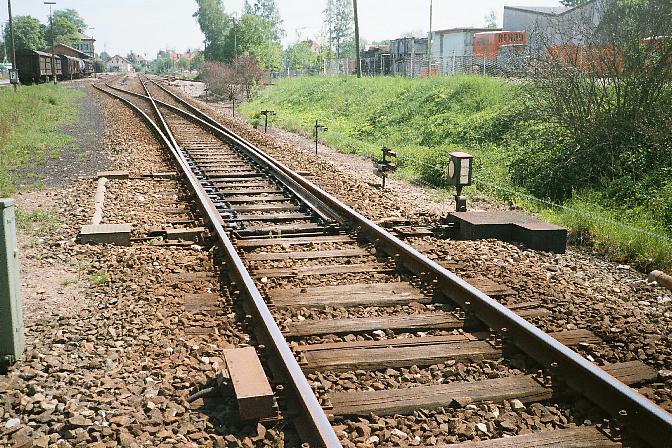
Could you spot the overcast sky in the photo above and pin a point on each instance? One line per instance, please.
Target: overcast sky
(146, 26)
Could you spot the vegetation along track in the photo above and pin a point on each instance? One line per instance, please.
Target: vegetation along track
(313, 272)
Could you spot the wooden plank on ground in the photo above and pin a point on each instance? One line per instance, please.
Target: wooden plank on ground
(367, 294)
(528, 310)
(214, 174)
(284, 228)
(242, 184)
(412, 231)
(256, 243)
(252, 389)
(190, 277)
(306, 271)
(270, 217)
(490, 287)
(373, 358)
(266, 208)
(399, 342)
(201, 302)
(580, 437)
(403, 401)
(440, 321)
(631, 372)
(254, 199)
(247, 191)
(308, 255)
(523, 387)
(406, 352)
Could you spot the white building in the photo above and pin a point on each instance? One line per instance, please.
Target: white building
(85, 44)
(455, 42)
(554, 25)
(119, 64)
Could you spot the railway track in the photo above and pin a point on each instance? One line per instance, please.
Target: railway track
(339, 301)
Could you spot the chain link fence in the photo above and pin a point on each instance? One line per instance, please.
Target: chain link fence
(412, 66)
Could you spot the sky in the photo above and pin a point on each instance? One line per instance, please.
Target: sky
(147, 26)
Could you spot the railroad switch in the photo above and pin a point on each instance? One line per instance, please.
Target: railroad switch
(318, 128)
(386, 165)
(266, 114)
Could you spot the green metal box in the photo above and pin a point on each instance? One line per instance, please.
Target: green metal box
(12, 339)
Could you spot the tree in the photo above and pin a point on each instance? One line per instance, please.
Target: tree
(301, 56)
(268, 10)
(607, 90)
(137, 65)
(28, 33)
(72, 16)
(215, 25)
(491, 19)
(253, 41)
(233, 80)
(197, 61)
(574, 3)
(3, 53)
(105, 56)
(65, 32)
(339, 20)
(162, 64)
(184, 64)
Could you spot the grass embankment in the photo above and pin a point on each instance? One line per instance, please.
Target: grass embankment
(29, 128)
(424, 119)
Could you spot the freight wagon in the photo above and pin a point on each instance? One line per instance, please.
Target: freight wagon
(35, 66)
(72, 67)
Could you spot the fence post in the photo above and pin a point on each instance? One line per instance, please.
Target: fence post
(12, 338)
(452, 71)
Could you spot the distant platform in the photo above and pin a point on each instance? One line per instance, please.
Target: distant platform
(510, 226)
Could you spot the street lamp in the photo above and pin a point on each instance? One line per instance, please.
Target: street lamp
(53, 56)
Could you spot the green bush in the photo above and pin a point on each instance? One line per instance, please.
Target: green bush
(515, 152)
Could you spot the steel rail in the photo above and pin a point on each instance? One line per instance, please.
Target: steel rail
(317, 419)
(318, 207)
(640, 415)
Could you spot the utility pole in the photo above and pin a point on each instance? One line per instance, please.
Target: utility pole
(13, 49)
(429, 41)
(269, 52)
(235, 38)
(358, 66)
(11, 36)
(53, 56)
